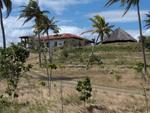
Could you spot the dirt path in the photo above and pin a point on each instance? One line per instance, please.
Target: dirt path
(73, 83)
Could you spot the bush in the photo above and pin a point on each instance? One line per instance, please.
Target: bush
(95, 59)
(85, 89)
(12, 66)
(7, 106)
(147, 42)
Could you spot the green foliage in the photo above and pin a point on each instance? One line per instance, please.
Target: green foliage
(42, 83)
(65, 53)
(95, 59)
(12, 65)
(147, 42)
(85, 88)
(52, 66)
(148, 20)
(7, 106)
(139, 67)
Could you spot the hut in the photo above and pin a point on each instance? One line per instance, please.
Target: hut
(119, 35)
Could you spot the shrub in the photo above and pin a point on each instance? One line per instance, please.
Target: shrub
(117, 77)
(12, 66)
(95, 59)
(85, 89)
(147, 42)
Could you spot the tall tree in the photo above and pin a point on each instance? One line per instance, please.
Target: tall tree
(102, 28)
(127, 4)
(32, 11)
(46, 25)
(8, 5)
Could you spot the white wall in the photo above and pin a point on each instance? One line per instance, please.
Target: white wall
(53, 42)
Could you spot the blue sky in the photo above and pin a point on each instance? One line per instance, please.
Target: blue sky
(73, 17)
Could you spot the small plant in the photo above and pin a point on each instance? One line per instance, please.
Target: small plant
(85, 88)
(65, 53)
(96, 59)
(42, 83)
(139, 67)
(117, 77)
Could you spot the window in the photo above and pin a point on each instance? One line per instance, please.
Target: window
(55, 43)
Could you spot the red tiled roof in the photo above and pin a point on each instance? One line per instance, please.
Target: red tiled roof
(61, 36)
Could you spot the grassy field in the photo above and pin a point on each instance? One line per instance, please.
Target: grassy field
(116, 71)
(117, 68)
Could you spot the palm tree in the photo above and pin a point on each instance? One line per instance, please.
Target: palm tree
(32, 11)
(46, 25)
(148, 20)
(102, 28)
(8, 5)
(128, 4)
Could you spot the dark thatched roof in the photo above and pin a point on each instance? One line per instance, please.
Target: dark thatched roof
(119, 35)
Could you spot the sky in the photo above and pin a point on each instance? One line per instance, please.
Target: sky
(73, 17)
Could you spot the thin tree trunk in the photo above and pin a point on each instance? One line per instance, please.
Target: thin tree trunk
(142, 41)
(61, 94)
(3, 30)
(49, 49)
(40, 61)
(50, 79)
(142, 38)
(92, 52)
(47, 69)
(49, 73)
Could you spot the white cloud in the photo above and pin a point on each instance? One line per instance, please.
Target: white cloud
(117, 15)
(14, 28)
(58, 6)
(136, 34)
(71, 29)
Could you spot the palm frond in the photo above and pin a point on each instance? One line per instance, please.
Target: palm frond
(147, 21)
(110, 2)
(88, 31)
(8, 5)
(127, 4)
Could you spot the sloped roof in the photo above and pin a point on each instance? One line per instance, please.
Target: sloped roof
(59, 37)
(63, 36)
(119, 35)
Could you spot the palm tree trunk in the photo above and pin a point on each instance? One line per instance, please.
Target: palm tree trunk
(61, 94)
(49, 49)
(50, 80)
(142, 41)
(92, 52)
(3, 30)
(40, 61)
(49, 73)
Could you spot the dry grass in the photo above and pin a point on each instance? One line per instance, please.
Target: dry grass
(116, 71)
(36, 100)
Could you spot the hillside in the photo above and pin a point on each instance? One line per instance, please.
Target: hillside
(116, 83)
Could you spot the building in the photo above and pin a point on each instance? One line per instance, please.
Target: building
(59, 40)
(119, 35)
